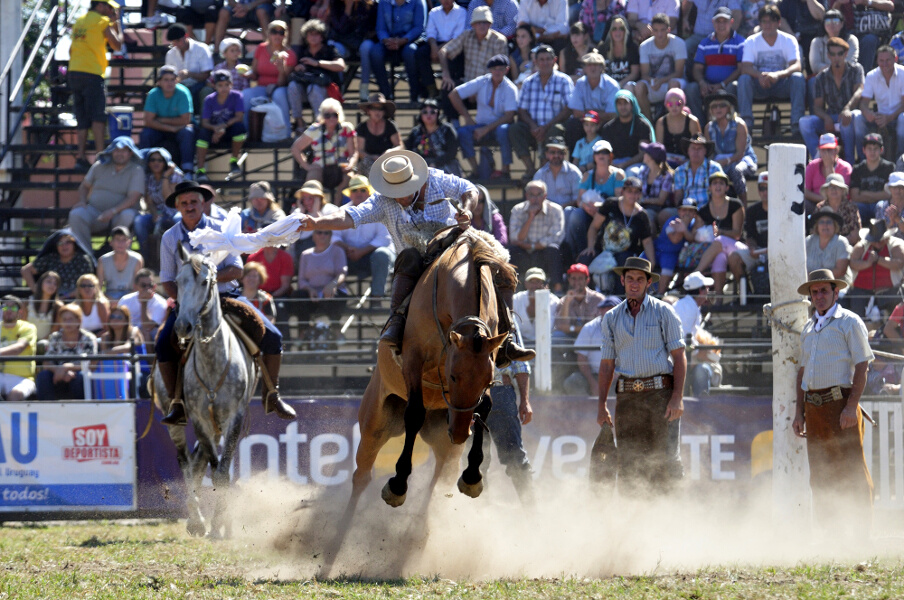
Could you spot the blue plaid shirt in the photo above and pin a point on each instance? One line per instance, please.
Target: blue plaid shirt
(544, 103)
(640, 346)
(380, 209)
(695, 186)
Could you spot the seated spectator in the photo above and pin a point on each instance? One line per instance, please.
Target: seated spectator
(435, 139)
(727, 216)
(62, 254)
(108, 195)
(254, 275)
(42, 307)
(583, 150)
(350, 23)
(61, 379)
(445, 22)
(119, 337)
(542, 108)
(247, 14)
(662, 59)
(733, 144)
(803, 20)
(211, 209)
(505, 15)
(369, 251)
(231, 51)
(146, 308)
(321, 279)
(621, 53)
(334, 148)
(835, 197)
(117, 269)
(319, 65)
(704, 25)
(272, 67)
(885, 86)
(673, 237)
(376, 134)
(621, 227)
(400, 28)
(876, 262)
(280, 270)
(309, 200)
(836, 94)
(640, 16)
(579, 44)
(222, 124)
(521, 59)
(561, 177)
(167, 118)
(750, 22)
(892, 210)
(585, 381)
(487, 217)
(771, 69)
(264, 209)
(597, 17)
(826, 248)
(497, 101)
(548, 21)
(578, 306)
(657, 179)
(696, 288)
(705, 372)
(820, 168)
(191, 59)
(603, 179)
(626, 131)
(869, 178)
(717, 62)
(160, 178)
(593, 92)
(94, 305)
(18, 337)
(833, 25)
(693, 177)
(872, 24)
(675, 126)
(524, 305)
(744, 261)
(536, 230)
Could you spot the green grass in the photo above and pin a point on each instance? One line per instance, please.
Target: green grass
(114, 560)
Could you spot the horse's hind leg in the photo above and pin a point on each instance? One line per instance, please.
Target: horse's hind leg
(471, 481)
(221, 524)
(395, 489)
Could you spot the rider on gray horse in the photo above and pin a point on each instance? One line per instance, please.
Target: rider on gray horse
(187, 199)
(411, 203)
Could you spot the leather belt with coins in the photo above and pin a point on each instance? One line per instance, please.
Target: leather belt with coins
(820, 397)
(643, 384)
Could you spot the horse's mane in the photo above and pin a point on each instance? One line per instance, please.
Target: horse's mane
(486, 250)
(199, 260)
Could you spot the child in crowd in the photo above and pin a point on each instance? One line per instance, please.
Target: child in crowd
(231, 51)
(583, 150)
(222, 117)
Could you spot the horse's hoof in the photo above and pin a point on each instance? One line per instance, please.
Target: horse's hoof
(393, 500)
(195, 528)
(470, 490)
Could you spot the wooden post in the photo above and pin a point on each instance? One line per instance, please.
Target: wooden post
(542, 374)
(787, 270)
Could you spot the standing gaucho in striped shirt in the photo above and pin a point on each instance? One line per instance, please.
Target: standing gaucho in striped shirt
(835, 356)
(643, 344)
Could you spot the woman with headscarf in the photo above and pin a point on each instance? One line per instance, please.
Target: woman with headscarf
(161, 177)
(65, 255)
(627, 130)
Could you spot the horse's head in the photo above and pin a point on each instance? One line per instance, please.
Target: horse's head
(469, 372)
(197, 282)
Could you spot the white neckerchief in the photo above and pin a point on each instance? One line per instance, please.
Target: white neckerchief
(821, 320)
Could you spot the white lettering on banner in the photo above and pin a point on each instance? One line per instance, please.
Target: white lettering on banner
(540, 455)
(26, 495)
(717, 456)
(272, 447)
(560, 458)
(319, 460)
(292, 439)
(20, 455)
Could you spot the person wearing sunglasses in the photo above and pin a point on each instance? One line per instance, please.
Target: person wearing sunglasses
(160, 178)
(17, 338)
(335, 154)
(319, 66)
(272, 68)
(435, 139)
(675, 125)
(247, 14)
(833, 24)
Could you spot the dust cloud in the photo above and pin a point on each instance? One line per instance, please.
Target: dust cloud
(572, 531)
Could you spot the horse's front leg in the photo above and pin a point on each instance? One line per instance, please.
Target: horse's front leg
(471, 481)
(221, 524)
(193, 473)
(395, 489)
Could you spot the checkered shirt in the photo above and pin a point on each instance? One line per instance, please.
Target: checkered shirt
(544, 103)
(547, 228)
(477, 53)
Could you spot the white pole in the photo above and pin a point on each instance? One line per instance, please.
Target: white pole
(787, 270)
(543, 328)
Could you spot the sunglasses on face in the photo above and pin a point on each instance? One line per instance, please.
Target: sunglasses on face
(117, 317)
(86, 285)
(832, 20)
(278, 32)
(10, 308)
(672, 103)
(146, 286)
(429, 111)
(330, 115)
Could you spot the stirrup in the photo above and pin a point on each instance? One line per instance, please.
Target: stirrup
(176, 415)
(394, 332)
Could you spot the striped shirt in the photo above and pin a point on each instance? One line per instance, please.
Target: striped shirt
(544, 103)
(547, 228)
(640, 346)
(169, 262)
(830, 355)
(380, 209)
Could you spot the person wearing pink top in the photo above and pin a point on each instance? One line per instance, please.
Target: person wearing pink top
(271, 67)
(820, 168)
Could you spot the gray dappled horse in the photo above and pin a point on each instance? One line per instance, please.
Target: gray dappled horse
(219, 378)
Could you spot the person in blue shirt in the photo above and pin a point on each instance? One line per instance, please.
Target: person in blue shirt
(167, 117)
(401, 25)
(717, 63)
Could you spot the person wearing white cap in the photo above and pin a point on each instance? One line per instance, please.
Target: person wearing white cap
(821, 167)
(478, 44)
(524, 306)
(505, 15)
(835, 192)
(892, 210)
(706, 370)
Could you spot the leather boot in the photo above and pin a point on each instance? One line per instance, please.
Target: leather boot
(169, 372)
(270, 388)
(394, 330)
(510, 349)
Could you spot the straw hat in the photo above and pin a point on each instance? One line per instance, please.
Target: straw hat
(378, 100)
(399, 173)
(313, 187)
(820, 276)
(357, 182)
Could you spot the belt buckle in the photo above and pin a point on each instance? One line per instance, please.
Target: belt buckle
(638, 385)
(836, 393)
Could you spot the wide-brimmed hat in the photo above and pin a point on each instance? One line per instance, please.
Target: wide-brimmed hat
(357, 182)
(820, 276)
(825, 211)
(482, 14)
(698, 139)
(183, 187)
(399, 173)
(313, 187)
(721, 95)
(638, 264)
(260, 189)
(835, 180)
(878, 230)
(896, 179)
(378, 100)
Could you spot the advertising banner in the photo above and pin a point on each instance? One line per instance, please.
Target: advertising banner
(67, 456)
